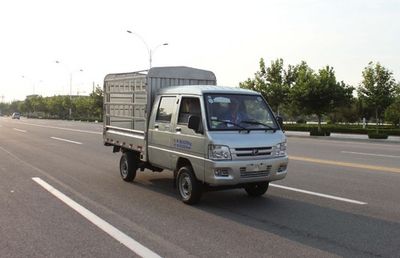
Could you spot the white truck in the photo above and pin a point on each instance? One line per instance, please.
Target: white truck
(211, 137)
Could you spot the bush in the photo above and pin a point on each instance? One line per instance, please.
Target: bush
(323, 132)
(340, 128)
(374, 135)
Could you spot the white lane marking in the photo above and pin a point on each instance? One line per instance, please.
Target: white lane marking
(319, 194)
(65, 129)
(118, 235)
(65, 140)
(371, 154)
(20, 130)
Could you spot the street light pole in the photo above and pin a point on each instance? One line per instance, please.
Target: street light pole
(33, 84)
(149, 50)
(70, 85)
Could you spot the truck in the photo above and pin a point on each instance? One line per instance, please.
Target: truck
(211, 137)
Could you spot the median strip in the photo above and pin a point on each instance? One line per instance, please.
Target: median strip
(65, 140)
(118, 235)
(319, 194)
(346, 164)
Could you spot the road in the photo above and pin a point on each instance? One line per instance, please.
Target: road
(61, 195)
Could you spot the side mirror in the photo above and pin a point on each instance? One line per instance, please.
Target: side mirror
(279, 119)
(194, 123)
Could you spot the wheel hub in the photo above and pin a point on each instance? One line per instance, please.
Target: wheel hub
(185, 186)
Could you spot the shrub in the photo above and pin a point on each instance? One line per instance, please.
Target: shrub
(339, 128)
(374, 135)
(323, 132)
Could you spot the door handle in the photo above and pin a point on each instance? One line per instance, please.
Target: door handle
(178, 129)
(155, 126)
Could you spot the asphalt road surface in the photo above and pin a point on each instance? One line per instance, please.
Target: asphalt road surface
(61, 195)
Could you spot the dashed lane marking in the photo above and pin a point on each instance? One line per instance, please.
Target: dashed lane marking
(65, 140)
(19, 130)
(118, 235)
(319, 194)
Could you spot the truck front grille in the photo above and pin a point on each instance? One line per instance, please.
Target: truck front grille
(252, 152)
(250, 174)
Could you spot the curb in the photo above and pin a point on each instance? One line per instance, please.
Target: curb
(343, 137)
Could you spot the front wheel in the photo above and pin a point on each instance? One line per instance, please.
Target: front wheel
(256, 189)
(128, 165)
(189, 187)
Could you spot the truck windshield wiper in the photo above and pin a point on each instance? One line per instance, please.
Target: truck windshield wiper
(254, 122)
(232, 123)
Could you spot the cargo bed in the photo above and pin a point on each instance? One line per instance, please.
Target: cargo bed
(128, 99)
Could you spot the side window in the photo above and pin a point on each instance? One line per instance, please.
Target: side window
(189, 107)
(165, 109)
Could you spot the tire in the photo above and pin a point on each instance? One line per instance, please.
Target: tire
(128, 165)
(256, 189)
(189, 188)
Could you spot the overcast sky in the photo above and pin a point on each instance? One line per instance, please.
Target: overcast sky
(226, 37)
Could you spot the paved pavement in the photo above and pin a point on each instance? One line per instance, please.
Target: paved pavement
(340, 198)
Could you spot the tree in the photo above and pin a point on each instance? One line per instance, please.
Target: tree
(319, 93)
(272, 82)
(58, 106)
(256, 84)
(15, 106)
(97, 103)
(392, 113)
(82, 106)
(363, 110)
(377, 88)
(345, 113)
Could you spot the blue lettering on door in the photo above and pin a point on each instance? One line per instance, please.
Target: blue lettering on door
(182, 144)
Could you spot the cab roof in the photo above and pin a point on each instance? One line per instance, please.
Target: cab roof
(202, 89)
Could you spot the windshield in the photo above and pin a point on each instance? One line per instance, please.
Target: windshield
(238, 112)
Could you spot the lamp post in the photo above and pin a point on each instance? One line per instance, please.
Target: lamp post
(150, 51)
(33, 84)
(70, 84)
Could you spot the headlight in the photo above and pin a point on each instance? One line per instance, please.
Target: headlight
(280, 149)
(219, 152)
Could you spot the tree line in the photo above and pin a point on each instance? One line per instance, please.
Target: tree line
(298, 92)
(58, 107)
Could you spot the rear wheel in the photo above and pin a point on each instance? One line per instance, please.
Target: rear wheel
(256, 189)
(128, 165)
(189, 187)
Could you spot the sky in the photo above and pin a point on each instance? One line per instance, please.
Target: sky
(226, 37)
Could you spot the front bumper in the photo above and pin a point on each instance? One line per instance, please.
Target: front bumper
(233, 172)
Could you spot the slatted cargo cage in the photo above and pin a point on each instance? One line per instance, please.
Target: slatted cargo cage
(128, 99)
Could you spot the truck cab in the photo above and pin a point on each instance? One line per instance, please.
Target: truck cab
(216, 137)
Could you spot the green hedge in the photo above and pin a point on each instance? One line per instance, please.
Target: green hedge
(374, 135)
(324, 132)
(349, 129)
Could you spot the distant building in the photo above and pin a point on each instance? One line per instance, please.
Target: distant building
(32, 96)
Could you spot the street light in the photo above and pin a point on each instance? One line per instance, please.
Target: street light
(70, 84)
(150, 51)
(32, 82)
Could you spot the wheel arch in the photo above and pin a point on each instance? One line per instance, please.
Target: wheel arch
(181, 162)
